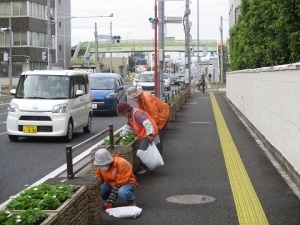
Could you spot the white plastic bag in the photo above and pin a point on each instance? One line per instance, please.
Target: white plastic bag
(125, 212)
(156, 139)
(151, 157)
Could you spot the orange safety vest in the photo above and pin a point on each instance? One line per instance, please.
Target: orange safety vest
(155, 107)
(139, 129)
(120, 172)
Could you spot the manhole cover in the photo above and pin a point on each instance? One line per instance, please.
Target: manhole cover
(191, 199)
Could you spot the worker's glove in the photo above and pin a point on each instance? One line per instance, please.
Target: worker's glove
(109, 206)
(113, 196)
(118, 140)
(151, 138)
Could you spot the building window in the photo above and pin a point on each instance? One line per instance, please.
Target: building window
(5, 8)
(37, 39)
(20, 38)
(37, 10)
(19, 8)
(236, 15)
(4, 39)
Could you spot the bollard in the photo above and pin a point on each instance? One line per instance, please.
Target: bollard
(69, 152)
(111, 136)
(217, 86)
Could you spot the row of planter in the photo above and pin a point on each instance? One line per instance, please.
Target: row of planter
(176, 100)
(82, 207)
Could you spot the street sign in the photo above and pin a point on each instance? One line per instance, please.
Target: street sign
(104, 36)
(44, 56)
(173, 19)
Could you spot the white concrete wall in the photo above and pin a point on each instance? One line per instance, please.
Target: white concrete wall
(270, 99)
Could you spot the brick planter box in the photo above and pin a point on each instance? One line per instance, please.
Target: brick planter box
(177, 104)
(182, 99)
(83, 208)
(172, 116)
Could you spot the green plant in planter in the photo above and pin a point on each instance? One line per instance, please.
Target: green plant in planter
(125, 140)
(28, 217)
(44, 197)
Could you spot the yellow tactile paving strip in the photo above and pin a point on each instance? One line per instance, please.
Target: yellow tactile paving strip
(248, 207)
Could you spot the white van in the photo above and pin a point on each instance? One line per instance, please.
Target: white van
(52, 103)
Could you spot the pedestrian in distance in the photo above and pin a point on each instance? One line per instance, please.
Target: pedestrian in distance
(203, 83)
(142, 124)
(209, 77)
(117, 178)
(154, 107)
(198, 84)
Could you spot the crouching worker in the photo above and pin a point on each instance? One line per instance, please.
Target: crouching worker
(142, 124)
(117, 178)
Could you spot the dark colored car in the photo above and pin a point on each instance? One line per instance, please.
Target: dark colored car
(107, 91)
(175, 79)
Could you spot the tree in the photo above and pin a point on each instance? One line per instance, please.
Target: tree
(267, 33)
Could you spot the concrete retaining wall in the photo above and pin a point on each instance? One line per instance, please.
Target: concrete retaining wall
(269, 98)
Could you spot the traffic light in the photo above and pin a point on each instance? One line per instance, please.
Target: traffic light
(115, 38)
(152, 21)
(27, 59)
(118, 39)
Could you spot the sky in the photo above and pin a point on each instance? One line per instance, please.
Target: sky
(131, 19)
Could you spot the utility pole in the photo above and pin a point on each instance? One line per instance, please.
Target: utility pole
(198, 42)
(187, 43)
(156, 80)
(49, 36)
(221, 52)
(10, 56)
(160, 83)
(97, 63)
(110, 56)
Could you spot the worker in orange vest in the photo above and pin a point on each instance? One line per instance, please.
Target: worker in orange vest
(155, 107)
(142, 124)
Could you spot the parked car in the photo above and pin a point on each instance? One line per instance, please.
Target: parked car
(135, 79)
(107, 91)
(175, 79)
(146, 81)
(167, 81)
(50, 103)
(181, 79)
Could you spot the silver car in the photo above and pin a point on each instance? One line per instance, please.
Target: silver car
(167, 81)
(135, 79)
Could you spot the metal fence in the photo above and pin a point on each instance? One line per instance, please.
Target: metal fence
(70, 149)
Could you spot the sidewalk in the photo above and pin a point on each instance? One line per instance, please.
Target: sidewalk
(211, 156)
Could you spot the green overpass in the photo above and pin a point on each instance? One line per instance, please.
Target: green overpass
(85, 49)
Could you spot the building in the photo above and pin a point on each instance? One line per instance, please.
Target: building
(233, 11)
(37, 32)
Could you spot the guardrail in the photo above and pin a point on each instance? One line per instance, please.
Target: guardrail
(70, 149)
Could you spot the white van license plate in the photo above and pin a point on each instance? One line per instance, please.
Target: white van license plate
(29, 129)
(94, 106)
